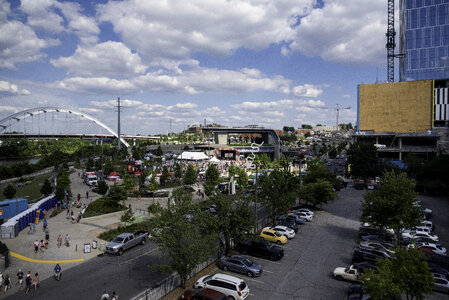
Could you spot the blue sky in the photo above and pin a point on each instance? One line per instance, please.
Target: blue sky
(232, 62)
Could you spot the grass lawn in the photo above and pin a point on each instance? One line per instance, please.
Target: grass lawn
(28, 191)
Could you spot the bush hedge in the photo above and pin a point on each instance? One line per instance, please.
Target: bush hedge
(111, 234)
(102, 206)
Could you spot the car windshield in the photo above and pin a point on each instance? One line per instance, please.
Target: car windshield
(277, 234)
(118, 240)
(247, 262)
(207, 278)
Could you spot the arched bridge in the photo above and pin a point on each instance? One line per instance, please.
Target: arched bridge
(39, 110)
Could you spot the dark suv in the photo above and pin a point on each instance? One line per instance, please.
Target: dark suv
(290, 223)
(361, 255)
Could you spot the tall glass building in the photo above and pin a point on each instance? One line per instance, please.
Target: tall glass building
(424, 37)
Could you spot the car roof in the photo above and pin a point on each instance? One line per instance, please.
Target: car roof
(226, 277)
(269, 230)
(211, 294)
(124, 235)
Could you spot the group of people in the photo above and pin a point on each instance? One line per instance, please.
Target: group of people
(106, 296)
(5, 281)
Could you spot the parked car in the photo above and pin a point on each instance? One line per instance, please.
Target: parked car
(298, 220)
(428, 224)
(362, 266)
(290, 223)
(273, 236)
(435, 268)
(229, 285)
(350, 273)
(377, 239)
(417, 229)
(375, 231)
(362, 255)
(203, 294)
(240, 264)
(304, 215)
(284, 230)
(125, 241)
(432, 248)
(441, 283)
(375, 246)
(261, 249)
(306, 210)
(407, 241)
(415, 234)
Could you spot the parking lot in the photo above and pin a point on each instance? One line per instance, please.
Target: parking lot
(305, 272)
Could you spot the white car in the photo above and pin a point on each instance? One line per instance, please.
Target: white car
(232, 287)
(417, 229)
(432, 247)
(427, 224)
(306, 210)
(375, 246)
(284, 230)
(304, 215)
(349, 273)
(415, 235)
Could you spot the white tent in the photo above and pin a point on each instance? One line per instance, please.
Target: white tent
(214, 160)
(187, 155)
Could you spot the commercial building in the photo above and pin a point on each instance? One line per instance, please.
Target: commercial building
(424, 38)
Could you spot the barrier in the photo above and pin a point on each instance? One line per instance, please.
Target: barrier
(12, 227)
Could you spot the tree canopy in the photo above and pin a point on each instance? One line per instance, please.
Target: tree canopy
(392, 204)
(190, 175)
(9, 191)
(46, 188)
(363, 160)
(317, 193)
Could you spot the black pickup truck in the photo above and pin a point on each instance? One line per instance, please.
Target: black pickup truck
(260, 248)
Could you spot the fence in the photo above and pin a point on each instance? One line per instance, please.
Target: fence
(4, 257)
(38, 173)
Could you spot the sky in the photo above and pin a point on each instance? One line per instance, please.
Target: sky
(176, 63)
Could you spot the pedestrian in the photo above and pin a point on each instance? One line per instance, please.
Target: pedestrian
(87, 194)
(34, 227)
(31, 229)
(114, 296)
(105, 296)
(67, 240)
(7, 282)
(1, 282)
(45, 224)
(28, 282)
(59, 241)
(47, 234)
(46, 243)
(45, 213)
(20, 278)
(79, 197)
(36, 281)
(36, 246)
(42, 246)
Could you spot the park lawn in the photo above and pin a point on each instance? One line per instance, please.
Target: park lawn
(28, 191)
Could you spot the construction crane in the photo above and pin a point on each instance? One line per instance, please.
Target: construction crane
(336, 107)
(391, 42)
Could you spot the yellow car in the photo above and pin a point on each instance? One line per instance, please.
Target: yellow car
(273, 236)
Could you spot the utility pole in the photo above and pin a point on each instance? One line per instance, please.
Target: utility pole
(118, 123)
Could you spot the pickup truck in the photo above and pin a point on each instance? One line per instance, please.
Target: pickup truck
(261, 248)
(349, 273)
(125, 241)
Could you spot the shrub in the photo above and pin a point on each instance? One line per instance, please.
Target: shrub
(111, 234)
(102, 206)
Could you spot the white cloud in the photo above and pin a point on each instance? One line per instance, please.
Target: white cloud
(344, 31)
(40, 14)
(19, 44)
(96, 85)
(174, 30)
(263, 106)
(307, 90)
(105, 59)
(10, 88)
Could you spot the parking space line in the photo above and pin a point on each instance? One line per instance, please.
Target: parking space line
(258, 281)
(265, 271)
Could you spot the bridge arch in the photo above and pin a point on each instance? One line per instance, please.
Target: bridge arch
(38, 110)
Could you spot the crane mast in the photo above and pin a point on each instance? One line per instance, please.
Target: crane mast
(391, 43)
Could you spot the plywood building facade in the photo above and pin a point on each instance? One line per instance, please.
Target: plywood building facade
(396, 107)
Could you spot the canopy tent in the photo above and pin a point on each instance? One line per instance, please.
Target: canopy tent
(188, 155)
(214, 160)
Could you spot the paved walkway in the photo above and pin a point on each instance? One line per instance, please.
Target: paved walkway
(85, 232)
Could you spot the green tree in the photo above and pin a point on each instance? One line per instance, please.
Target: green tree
(90, 164)
(108, 167)
(102, 187)
(186, 243)
(278, 192)
(165, 176)
(190, 175)
(63, 180)
(178, 171)
(159, 151)
(117, 193)
(363, 160)
(46, 188)
(9, 191)
(317, 171)
(234, 218)
(407, 272)
(306, 126)
(317, 193)
(212, 179)
(128, 182)
(333, 153)
(60, 193)
(392, 204)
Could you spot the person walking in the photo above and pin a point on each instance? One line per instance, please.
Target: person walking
(28, 282)
(87, 194)
(59, 241)
(1, 282)
(67, 240)
(45, 224)
(42, 246)
(36, 281)
(105, 296)
(47, 233)
(114, 296)
(34, 227)
(36, 246)
(7, 282)
(20, 278)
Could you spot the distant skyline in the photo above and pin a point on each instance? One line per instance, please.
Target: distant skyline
(232, 62)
